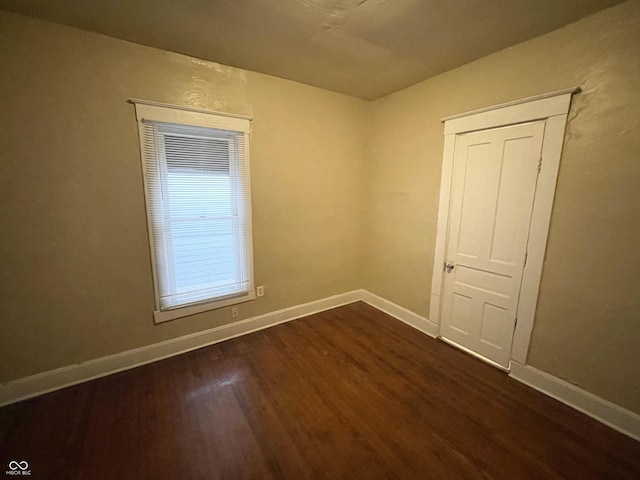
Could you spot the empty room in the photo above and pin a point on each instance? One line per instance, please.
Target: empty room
(324, 239)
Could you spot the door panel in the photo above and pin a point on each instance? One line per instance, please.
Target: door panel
(493, 187)
(476, 181)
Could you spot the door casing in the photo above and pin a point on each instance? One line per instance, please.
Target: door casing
(554, 108)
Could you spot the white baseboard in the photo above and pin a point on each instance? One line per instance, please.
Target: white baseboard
(616, 417)
(606, 412)
(31, 386)
(407, 316)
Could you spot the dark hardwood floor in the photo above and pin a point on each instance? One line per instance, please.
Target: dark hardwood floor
(349, 393)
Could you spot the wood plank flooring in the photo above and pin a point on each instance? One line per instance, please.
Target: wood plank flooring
(350, 393)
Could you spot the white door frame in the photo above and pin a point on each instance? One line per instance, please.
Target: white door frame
(552, 107)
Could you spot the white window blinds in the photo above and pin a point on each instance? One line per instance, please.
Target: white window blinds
(198, 208)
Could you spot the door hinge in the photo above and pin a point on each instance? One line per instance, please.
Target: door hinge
(526, 254)
(539, 164)
(516, 324)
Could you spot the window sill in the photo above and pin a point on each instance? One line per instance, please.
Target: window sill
(167, 315)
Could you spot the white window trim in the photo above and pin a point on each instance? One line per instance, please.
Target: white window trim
(552, 107)
(160, 112)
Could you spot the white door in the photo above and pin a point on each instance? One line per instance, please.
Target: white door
(493, 186)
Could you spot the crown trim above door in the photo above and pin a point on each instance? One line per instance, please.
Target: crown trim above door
(537, 107)
(553, 108)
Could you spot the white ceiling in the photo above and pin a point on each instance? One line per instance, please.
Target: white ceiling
(363, 48)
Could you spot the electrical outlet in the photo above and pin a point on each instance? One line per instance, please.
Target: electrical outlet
(234, 312)
(260, 291)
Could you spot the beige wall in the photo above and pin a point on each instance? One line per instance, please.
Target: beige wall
(587, 326)
(74, 257)
(335, 181)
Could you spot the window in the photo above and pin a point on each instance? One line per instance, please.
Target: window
(196, 179)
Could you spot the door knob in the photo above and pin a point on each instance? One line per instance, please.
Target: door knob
(449, 266)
